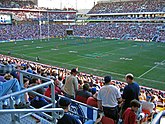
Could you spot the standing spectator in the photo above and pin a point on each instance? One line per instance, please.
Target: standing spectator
(129, 116)
(71, 84)
(108, 98)
(83, 94)
(131, 91)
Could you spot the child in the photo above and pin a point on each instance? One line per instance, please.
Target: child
(129, 116)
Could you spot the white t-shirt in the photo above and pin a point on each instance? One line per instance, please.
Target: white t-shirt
(147, 105)
(109, 94)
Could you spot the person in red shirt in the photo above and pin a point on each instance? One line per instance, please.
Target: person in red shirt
(129, 116)
(92, 101)
(57, 89)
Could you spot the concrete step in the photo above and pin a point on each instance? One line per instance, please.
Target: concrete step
(32, 119)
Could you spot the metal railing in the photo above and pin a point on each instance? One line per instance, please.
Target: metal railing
(56, 113)
(59, 112)
(158, 117)
(81, 110)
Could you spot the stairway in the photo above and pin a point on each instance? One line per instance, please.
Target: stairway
(31, 119)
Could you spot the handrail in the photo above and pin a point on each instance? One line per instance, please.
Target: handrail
(25, 90)
(94, 108)
(158, 117)
(2, 65)
(34, 75)
(38, 94)
(55, 114)
(10, 111)
(84, 111)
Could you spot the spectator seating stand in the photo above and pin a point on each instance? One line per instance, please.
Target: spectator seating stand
(83, 111)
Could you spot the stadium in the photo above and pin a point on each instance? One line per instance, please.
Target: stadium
(89, 66)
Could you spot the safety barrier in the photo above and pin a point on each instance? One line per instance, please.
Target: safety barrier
(83, 111)
(157, 119)
(56, 113)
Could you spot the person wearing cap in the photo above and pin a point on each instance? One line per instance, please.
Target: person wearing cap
(131, 91)
(71, 84)
(67, 118)
(108, 98)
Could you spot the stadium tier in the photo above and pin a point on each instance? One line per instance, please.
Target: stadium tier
(131, 6)
(103, 41)
(17, 4)
(132, 31)
(36, 15)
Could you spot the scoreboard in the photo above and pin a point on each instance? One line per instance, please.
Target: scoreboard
(5, 19)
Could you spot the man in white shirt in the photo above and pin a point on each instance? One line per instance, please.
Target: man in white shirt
(108, 98)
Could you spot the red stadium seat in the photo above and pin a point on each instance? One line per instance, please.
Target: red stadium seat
(81, 99)
(106, 120)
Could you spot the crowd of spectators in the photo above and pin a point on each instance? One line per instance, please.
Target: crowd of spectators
(27, 5)
(142, 31)
(162, 36)
(30, 31)
(17, 4)
(36, 15)
(121, 18)
(132, 31)
(90, 89)
(129, 6)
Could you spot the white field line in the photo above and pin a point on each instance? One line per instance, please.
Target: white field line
(150, 70)
(163, 68)
(160, 82)
(93, 69)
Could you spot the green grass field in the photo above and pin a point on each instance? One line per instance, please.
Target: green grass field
(98, 56)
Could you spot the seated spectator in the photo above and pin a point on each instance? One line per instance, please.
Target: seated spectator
(2, 79)
(14, 86)
(92, 100)
(129, 116)
(35, 81)
(8, 77)
(7, 68)
(67, 118)
(84, 94)
(147, 107)
(57, 89)
(38, 101)
(60, 82)
(26, 85)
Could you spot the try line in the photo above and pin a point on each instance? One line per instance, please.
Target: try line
(150, 70)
